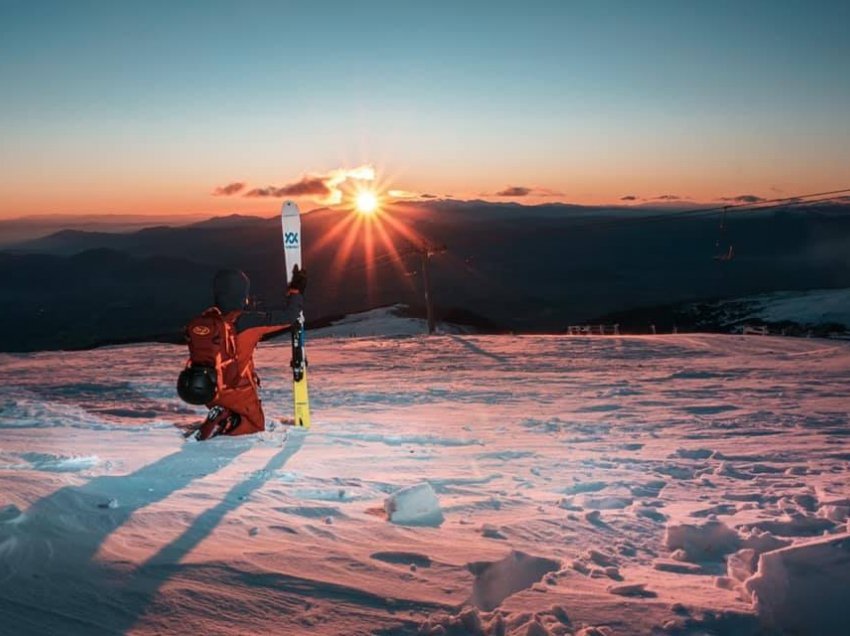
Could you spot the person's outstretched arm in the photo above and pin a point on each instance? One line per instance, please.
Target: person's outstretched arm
(278, 318)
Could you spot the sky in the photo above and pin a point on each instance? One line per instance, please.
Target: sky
(157, 107)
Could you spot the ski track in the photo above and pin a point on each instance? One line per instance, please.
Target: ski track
(570, 472)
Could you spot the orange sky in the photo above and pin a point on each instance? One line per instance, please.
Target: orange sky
(591, 102)
(84, 194)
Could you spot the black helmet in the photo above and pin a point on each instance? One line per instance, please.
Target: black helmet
(196, 385)
(230, 289)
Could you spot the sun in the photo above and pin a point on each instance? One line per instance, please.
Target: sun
(366, 202)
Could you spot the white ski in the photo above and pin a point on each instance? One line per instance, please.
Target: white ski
(290, 217)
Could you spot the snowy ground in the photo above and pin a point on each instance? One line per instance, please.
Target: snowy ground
(624, 483)
(808, 309)
(381, 322)
(811, 307)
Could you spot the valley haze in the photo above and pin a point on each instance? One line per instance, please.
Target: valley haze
(507, 267)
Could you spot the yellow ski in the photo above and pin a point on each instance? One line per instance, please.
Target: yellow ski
(290, 217)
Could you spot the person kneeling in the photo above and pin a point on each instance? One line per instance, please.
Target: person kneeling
(220, 370)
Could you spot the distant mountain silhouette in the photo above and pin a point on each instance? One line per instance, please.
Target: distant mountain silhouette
(229, 221)
(98, 295)
(535, 268)
(27, 228)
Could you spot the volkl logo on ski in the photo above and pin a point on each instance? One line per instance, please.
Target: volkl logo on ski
(290, 239)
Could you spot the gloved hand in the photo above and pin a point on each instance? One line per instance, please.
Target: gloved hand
(299, 280)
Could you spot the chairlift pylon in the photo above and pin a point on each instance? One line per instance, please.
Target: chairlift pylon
(724, 251)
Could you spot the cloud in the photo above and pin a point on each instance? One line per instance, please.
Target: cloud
(327, 188)
(336, 178)
(405, 194)
(744, 198)
(628, 197)
(523, 191)
(261, 192)
(306, 186)
(668, 197)
(410, 196)
(228, 190)
(514, 191)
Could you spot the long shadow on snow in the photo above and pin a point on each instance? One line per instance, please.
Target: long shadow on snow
(49, 578)
(146, 581)
(478, 350)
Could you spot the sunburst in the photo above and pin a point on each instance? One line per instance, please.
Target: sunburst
(366, 202)
(374, 223)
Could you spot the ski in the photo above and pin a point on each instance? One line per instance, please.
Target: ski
(291, 224)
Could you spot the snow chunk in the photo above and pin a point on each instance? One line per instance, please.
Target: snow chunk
(666, 565)
(497, 580)
(589, 502)
(473, 622)
(805, 588)
(794, 525)
(490, 531)
(741, 565)
(585, 486)
(603, 503)
(632, 589)
(414, 506)
(706, 542)
(834, 513)
(763, 542)
(600, 558)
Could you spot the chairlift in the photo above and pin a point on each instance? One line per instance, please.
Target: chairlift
(724, 251)
(726, 256)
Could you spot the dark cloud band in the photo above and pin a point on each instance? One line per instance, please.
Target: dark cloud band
(229, 189)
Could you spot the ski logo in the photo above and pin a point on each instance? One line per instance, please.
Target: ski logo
(290, 239)
(201, 330)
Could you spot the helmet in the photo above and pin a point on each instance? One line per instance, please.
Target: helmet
(230, 290)
(196, 384)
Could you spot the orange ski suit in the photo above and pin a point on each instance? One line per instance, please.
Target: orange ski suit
(240, 383)
(240, 391)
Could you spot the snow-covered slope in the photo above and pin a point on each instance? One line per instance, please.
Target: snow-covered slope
(813, 307)
(806, 309)
(383, 321)
(552, 484)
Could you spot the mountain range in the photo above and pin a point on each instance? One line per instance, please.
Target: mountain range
(505, 266)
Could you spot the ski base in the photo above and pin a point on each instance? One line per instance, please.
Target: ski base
(302, 402)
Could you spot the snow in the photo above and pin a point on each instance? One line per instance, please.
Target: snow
(496, 581)
(811, 307)
(415, 505)
(708, 541)
(804, 588)
(381, 322)
(808, 309)
(611, 485)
